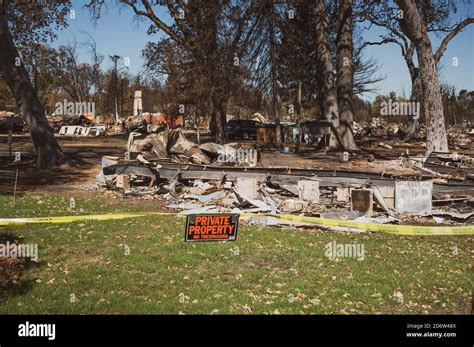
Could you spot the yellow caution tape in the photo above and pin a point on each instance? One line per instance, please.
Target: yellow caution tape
(72, 219)
(383, 228)
(368, 226)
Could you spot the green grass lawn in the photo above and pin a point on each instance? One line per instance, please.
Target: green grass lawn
(267, 270)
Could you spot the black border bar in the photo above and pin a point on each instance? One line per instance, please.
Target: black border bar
(225, 329)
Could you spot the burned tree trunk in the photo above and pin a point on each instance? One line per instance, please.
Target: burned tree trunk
(47, 149)
(329, 100)
(416, 92)
(413, 26)
(344, 67)
(416, 96)
(218, 121)
(218, 79)
(275, 108)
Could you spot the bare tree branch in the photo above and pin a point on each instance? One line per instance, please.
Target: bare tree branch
(383, 41)
(149, 13)
(444, 44)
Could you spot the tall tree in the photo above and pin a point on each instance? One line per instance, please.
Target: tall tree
(436, 16)
(329, 105)
(296, 56)
(296, 53)
(412, 25)
(80, 80)
(345, 73)
(41, 66)
(30, 21)
(273, 59)
(214, 34)
(264, 61)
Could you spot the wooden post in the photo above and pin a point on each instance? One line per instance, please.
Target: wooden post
(9, 143)
(14, 188)
(298, 118)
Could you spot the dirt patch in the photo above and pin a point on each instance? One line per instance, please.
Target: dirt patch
(11, 270)
(84, 162)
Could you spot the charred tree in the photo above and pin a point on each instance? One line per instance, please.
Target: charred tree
(413, 27)
(344, 65)
(48, 151)
(435, 17)
(329, 105)
(275, 106)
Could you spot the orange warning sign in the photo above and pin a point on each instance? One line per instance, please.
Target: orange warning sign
(212, 227)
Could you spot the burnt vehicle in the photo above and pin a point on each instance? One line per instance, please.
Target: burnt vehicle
(239, 129)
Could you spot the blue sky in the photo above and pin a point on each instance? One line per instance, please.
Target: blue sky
(117, 33)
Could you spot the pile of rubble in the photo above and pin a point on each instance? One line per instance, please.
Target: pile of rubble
(135, 123)
(405, 201)
(173, 145)
(459, 138)
(84, 131)
(442, 166)
(81, 126)
(379, 127)
(209, 177)
(245, 195)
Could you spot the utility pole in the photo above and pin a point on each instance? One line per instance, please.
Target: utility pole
(122, 78)
(115, 59)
